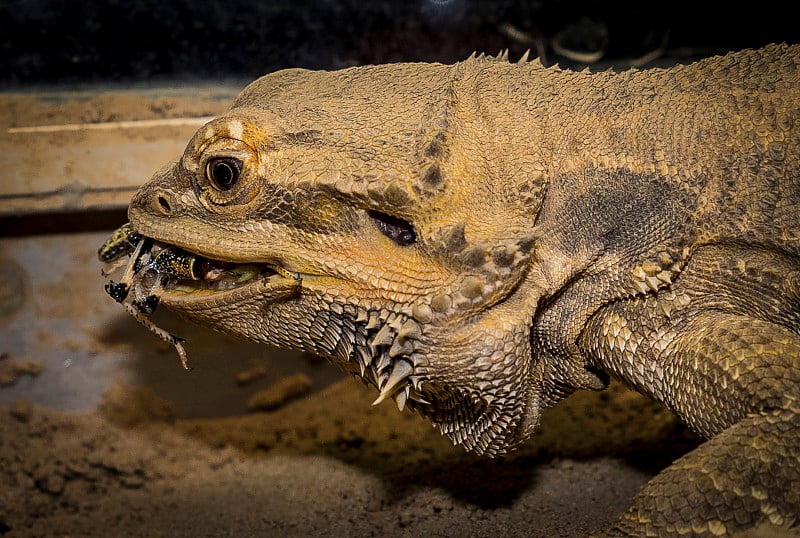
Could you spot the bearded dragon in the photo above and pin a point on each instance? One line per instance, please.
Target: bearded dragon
(479, 240)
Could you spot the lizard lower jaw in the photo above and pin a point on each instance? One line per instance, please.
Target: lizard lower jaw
(264, 289)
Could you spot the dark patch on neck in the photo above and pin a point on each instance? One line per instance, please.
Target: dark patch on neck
(474, 256)
(432, 176)
(502, 257)
(395, 196)
(454, 240)
(435, 148)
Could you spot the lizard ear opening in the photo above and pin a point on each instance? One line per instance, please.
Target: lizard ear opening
(396, 229)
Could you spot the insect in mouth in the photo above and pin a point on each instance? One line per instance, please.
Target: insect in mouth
(153, 267)
(145, 273)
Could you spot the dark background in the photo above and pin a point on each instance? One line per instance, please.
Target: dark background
(79, 41)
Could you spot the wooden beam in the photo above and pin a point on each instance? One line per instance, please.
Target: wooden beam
(74, 151)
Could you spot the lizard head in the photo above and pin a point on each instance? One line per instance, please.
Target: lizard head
(389, 241)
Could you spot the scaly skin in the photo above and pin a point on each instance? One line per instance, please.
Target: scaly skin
(479, 240)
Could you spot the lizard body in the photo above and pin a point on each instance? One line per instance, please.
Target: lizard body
(479, 240)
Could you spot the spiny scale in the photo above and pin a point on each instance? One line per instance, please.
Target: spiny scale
(402, 369)
(387, 359)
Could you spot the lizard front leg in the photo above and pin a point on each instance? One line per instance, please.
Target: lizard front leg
(746, 475)
(731, 376)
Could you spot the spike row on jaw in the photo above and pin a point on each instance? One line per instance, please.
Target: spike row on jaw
(137, 290)
(388, 359)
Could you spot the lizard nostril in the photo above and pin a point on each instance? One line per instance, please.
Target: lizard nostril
(163, 205)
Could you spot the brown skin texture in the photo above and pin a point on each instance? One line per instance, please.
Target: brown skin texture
(480, 240)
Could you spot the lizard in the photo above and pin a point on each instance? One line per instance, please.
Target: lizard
(479, 240)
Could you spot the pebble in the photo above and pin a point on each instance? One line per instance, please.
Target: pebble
(280, 392)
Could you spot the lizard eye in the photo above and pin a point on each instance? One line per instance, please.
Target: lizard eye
(224, 172)
(396, 229)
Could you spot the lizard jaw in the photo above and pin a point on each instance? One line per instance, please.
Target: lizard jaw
(213, 282)
(269, 287)
(159, 272)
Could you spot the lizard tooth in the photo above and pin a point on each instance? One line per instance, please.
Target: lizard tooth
(417, 360)
(640, 286)
(377, 379)
(639, 273)
(394, 321)
(380, 377)
(402, 369)
(665, 277)
(652, 282)
(651, 268)
(524, 57)
(364, 359)
(417, 397)
(389, 386)
(381, 397)
(422, 313)
(665, 259)
(416, 382)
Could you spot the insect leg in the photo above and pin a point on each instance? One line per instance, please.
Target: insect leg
(171, 339)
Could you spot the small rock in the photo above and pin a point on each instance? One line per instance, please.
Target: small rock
(132, 481)
(53, 484)
(11, 369)
(129, 406)
(21, 410)
(280, 392)
(251, 374)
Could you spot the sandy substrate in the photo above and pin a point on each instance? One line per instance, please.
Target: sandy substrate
(329, 464)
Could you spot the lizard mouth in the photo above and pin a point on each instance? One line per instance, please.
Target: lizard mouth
(183, 277)
(159, 272)
(215, 275)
